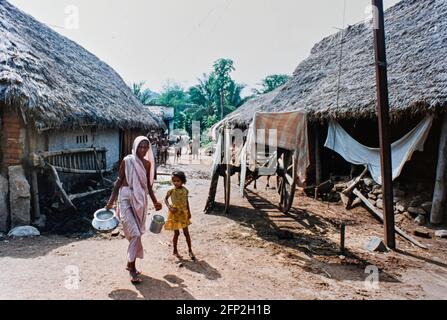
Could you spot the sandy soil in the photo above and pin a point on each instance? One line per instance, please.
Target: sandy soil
(254, 252)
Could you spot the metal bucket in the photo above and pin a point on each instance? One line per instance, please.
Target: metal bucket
(157, 223)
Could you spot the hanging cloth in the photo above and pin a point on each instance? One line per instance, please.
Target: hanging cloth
(401, 150)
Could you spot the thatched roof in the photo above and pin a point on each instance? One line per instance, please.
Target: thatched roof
(416, 36)
(165, 112)
(58, 83)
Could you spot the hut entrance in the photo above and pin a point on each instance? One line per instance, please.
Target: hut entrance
(126, 140)
(421, 167)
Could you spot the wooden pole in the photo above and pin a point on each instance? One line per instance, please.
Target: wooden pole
(318, 171)
(383, 115)
(439, 195)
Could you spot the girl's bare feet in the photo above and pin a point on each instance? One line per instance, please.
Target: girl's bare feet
(192, 256)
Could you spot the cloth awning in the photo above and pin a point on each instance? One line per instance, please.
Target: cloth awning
(401, 150)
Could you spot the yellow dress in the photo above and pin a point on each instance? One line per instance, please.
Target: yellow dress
(179, 199)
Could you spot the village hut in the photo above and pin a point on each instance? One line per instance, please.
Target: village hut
(337, 83)
(164, 112)
(59, 105)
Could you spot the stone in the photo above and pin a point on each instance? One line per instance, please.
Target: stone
(115, 232)
(426, 206)
(420, 220)
(372, 196)
(2, 236)
(422, 234)
(441, 233)
(4, 210)
(400, 206)
(379, 196)
(418, 211)
(375, 244)
(373, 202)
(40, 222)
(396, 199)
(377, 191)
(377, 187)
(356, 202)
(24, 231)
(400, 218)
(340, 187)
(19, 197)
(379, 204)
(368, 182)
(415, 202)
(407, 215)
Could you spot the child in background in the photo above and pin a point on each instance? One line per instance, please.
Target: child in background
(179, 216)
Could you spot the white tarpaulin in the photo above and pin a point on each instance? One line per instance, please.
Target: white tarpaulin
(401, 150)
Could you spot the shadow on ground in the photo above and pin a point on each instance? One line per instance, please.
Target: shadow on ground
(154, 289)
(303, 235)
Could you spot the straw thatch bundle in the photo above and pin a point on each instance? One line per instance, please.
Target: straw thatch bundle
(58, 83)
(416, 36)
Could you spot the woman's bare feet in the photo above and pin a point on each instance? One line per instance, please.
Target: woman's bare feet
(134, 278)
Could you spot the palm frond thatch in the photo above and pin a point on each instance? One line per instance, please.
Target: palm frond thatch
(59, 84)
(416, 37)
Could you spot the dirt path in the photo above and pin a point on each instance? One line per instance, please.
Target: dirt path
(255, 252)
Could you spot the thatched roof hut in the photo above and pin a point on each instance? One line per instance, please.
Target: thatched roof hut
(416, 37)
(58, 83)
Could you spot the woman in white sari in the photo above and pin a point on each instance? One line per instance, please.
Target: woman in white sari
(134, 183)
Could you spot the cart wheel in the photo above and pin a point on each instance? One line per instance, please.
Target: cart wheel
(286, 175)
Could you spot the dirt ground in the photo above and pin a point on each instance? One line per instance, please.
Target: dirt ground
(254, 252)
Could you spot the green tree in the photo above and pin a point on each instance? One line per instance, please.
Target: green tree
(222, 80)
(146, 96)
(173, 95)
(271, 82)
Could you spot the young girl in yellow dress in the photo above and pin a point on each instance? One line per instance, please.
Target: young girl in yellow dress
(179, 217)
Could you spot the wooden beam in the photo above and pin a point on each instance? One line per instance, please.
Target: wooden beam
(78, 171)
(70, 151)
(439, 196)
(85, 194)
(379, 215)
(55, 177)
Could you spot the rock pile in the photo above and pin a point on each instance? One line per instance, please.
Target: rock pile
(409, 202)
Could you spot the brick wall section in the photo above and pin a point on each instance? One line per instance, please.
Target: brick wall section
(13, 131)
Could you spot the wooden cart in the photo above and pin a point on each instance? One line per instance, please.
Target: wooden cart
(282, 162)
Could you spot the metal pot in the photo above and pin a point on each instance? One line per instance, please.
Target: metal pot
(157, 223)
(105, 220)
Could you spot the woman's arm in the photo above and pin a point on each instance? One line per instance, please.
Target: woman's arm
(157, 204)
(117, 185)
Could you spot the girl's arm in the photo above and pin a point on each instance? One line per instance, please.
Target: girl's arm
(117, 185)
(168, 195)
(189, 210)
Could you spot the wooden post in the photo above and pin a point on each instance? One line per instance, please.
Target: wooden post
(34, 184)
(342, 238)
(383, 115)
(318, 170)
(439, 195)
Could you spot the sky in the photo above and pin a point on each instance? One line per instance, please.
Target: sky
(162, 41)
